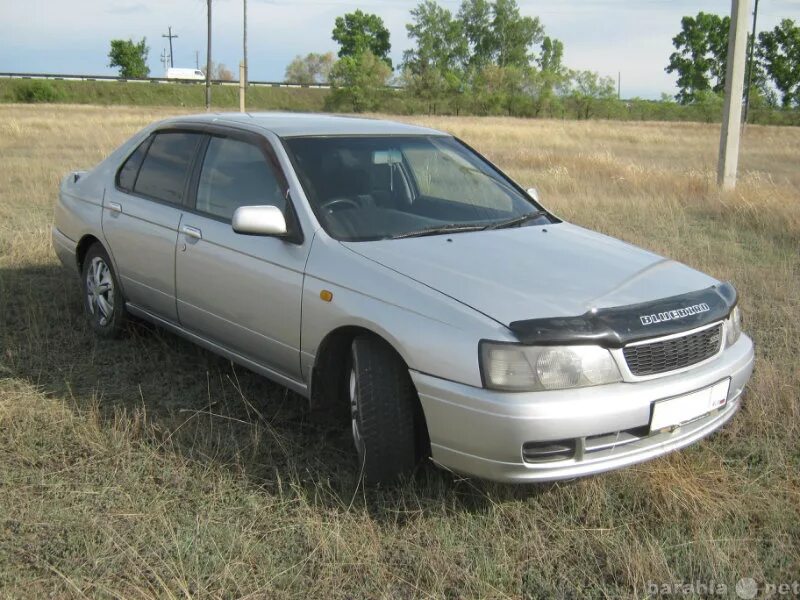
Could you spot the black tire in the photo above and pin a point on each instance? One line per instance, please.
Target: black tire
(383, 413)
(105, 310)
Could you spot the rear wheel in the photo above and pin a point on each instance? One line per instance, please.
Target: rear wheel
(383, 405)
(102, 299)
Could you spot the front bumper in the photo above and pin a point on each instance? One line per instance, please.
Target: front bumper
(481, 432)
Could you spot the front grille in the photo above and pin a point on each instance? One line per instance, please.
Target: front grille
(673, 354)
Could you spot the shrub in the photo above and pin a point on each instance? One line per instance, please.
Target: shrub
(36, 91)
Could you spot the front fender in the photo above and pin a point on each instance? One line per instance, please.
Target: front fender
(433, 333)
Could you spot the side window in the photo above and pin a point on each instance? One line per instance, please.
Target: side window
(164, 170)
(235, 174)
(126, 176)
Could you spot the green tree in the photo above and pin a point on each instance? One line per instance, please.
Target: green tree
(514, 36)
(498, 34)
(779, 56)
(501, 90)
(358, 32)
(439, 39)
(476, 20)
(359, 82)
(709, 105)
(130, 57)
(700, 56)
(550, 77)
(313, 68)
(434, 69)
(589, 91)
(551, 55)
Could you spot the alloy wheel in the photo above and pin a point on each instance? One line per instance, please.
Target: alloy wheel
(353, 391)
(100, 290)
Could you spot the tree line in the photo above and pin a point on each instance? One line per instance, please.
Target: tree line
(487, 58)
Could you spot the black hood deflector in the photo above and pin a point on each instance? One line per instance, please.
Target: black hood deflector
(621, 325)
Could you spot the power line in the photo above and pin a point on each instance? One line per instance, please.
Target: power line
(750, 63)
(244, 39)
(208, 57)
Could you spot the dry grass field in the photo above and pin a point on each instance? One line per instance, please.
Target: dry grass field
(147, 467)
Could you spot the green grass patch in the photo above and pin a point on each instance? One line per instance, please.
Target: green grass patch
(159, 94)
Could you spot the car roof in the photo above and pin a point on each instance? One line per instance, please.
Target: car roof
(287, 124)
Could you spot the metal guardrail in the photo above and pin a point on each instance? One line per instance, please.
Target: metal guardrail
(71, 77)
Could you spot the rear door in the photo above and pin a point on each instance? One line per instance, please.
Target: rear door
(142, 214)
(240, 291)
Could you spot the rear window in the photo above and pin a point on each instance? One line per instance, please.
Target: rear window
(166, 166)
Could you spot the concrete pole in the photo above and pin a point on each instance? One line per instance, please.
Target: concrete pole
(241, 86)
(734, 89)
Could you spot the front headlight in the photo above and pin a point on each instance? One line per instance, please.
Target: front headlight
(517, 368)
(733, 325)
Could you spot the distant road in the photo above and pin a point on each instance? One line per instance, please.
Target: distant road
(65, 77)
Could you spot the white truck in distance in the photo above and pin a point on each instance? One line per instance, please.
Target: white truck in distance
(178, 73)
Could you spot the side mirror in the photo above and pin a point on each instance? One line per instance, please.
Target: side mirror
(259, 220)
(533, 193)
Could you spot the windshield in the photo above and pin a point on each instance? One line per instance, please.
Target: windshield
(370, 188)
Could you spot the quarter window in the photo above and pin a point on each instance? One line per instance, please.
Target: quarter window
(130, 168)
(164, 170)
(235, 174)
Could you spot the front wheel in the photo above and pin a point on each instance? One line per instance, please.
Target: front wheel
(102, 298)
(383, 405)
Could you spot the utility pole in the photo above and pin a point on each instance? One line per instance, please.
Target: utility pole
(170, 36)
(241, 86)
(619, 85)
(244, 40)
(750, 64)
(208, 59)
(734, 84)
(164, 59)
(197, 59)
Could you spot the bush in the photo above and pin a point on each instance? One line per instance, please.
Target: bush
(36, 91)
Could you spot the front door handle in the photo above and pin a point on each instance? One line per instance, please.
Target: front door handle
(192, 232)
(115, 206)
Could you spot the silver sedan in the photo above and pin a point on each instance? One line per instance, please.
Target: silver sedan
(394, 272)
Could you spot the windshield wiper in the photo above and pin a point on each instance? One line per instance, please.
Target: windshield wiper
(517, 220)
(451, 228)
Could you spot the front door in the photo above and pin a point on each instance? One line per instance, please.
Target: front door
(240, 291)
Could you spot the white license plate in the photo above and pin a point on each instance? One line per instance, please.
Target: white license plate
(675, 411)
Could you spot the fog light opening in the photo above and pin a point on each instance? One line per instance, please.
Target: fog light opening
(551, 451)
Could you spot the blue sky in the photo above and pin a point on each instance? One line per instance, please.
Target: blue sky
(609, 36)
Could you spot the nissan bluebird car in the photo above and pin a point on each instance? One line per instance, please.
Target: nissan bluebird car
(394, 272)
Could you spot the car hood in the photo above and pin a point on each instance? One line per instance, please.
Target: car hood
(534, 272)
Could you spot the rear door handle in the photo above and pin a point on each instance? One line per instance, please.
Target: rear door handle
(192, 232)
(115, 206)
